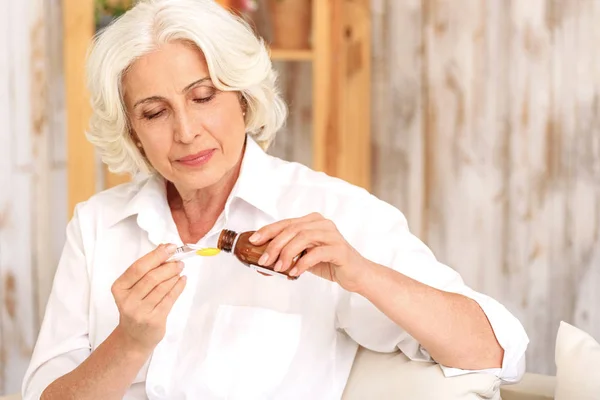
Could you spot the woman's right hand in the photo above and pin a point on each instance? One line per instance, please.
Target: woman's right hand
(145, 294)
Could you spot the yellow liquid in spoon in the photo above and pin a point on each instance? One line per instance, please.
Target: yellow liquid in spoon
(207, 252)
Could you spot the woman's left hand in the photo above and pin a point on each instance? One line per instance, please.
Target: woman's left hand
(328, 254)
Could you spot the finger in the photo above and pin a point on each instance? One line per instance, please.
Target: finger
(141, 267)
(157, 294)
(155, 277)
(166, 304)
(312, 258)
(268, 232)
(274, 248)
(304, 240)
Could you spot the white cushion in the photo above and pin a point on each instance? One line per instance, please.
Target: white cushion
(531, 387)
(577, 364)
(11, 397)
(393, 376)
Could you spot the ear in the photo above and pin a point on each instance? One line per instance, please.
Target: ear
(243, 104)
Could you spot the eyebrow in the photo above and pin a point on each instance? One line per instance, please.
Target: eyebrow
(160, 98)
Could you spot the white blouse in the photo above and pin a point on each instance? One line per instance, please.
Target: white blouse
(233, 333)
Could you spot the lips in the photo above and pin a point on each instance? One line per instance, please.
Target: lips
(198, 158)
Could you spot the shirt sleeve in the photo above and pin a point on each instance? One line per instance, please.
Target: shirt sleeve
(63, 342)
(385, 239)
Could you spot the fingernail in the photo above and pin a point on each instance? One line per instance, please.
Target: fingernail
(263, 259)
(294, 271)
(255, 237)
(278, 265)
(171, 248)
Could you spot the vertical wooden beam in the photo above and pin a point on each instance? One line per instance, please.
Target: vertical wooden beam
(576, 144)
(397, 122)
(78, 21)
(22, 125)
(355, 163)
(51, 214)
(323, 123)
(342, 77)
(533, 217)
(109, 179)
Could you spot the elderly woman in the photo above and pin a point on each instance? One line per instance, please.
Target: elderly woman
(184, 93)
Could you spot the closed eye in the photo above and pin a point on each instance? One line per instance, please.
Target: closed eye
(153, 115)
(204, 99)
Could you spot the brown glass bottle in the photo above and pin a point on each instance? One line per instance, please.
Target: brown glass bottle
(249, 254)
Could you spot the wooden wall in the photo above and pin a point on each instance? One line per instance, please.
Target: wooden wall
(486, 133)
(32, 174)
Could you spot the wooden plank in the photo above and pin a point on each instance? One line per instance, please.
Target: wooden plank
(457, 152)
(40, 212)
(511, 170)
(580, 149)
(397, 101)
(42, 168)
(20, 119)
(489, 142)
(78, 25)
(354, 152)
(342, 102)
(294, 141)
(51, 215)
(534, 205)
(6, 177)
(291, 55)
(323, 124)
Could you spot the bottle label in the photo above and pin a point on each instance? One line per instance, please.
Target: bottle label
(270, 272)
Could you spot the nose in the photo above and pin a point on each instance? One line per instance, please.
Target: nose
(185, 130)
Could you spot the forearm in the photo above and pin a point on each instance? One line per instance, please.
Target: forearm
(106, 374)
(453, 328)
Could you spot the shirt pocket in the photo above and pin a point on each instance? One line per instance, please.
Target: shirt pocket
(250, 351)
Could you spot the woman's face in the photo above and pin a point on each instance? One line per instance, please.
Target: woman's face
(191, 133)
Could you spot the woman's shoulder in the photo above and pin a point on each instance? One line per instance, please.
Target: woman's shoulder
(112, 202)
(296, 177)
(304, 188)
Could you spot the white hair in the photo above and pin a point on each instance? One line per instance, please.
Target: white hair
(237, 61)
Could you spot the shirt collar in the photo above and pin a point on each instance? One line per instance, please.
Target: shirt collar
(252, 186)
(255, 183)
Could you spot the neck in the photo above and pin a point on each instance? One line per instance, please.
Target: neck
(196, 211)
